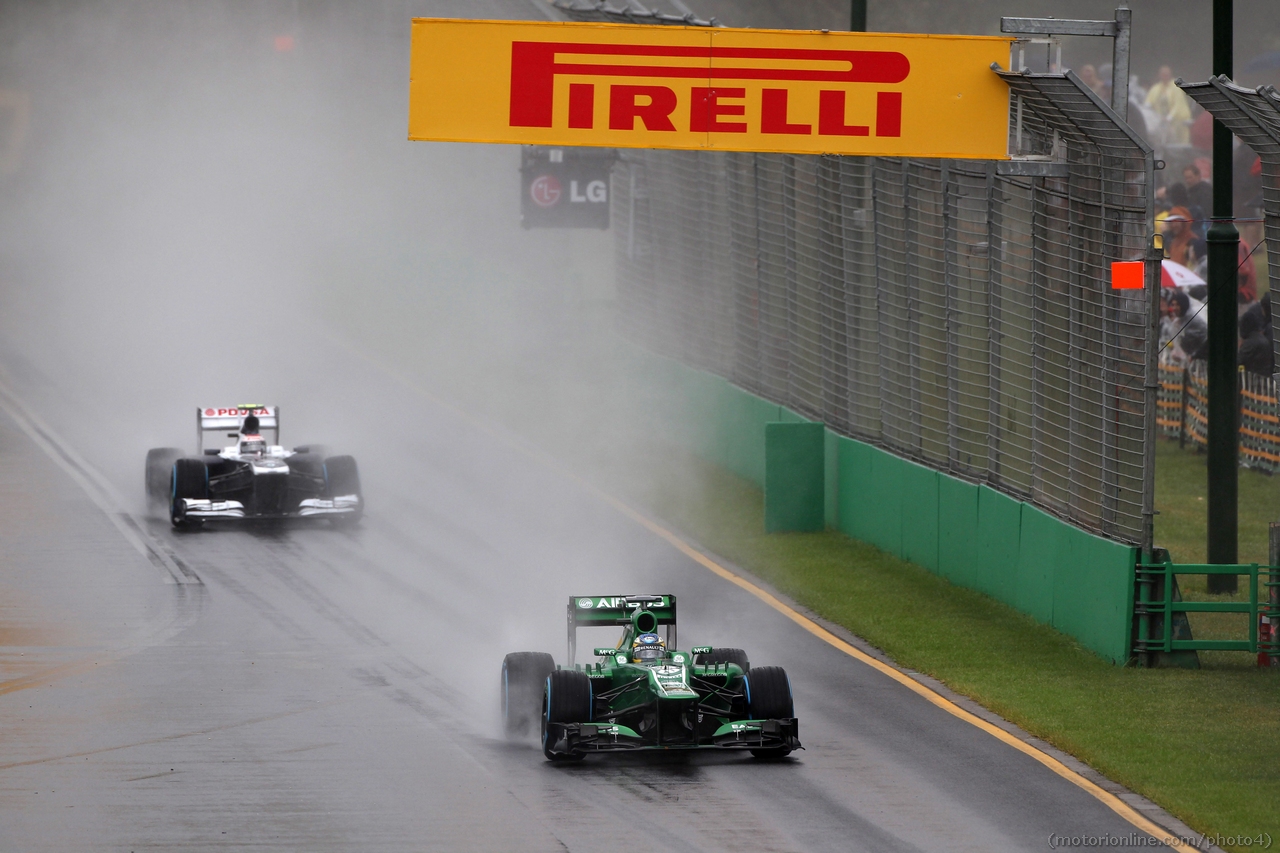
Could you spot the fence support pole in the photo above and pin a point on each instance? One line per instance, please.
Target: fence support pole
(951, 336)
(1182, 425)
(995, 334)
(1120, 62)
(1273, 588)
(1224, 243)
(1150, 387)
(858, 16)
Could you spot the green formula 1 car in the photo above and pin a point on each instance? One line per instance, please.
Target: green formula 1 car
(645, 693)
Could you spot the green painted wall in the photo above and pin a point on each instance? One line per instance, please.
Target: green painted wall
(794, 476)
(972, 535)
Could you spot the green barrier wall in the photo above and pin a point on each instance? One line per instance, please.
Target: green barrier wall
(794, 477)
(972, 535)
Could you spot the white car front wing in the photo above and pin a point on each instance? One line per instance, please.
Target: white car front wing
(340, 505)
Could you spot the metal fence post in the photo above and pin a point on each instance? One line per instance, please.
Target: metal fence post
(952, 343)
(1182, 424)
(791, 322)
(994, 334)
(1120, 62)
(858, 16)
(836, 385)
(882, 324)
(1224, 242)
(1151, 385)
(1039, 237)
(911, 239)
(1075, 356)
(1273, 590)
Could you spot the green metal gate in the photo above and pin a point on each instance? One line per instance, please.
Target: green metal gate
(1160, 614)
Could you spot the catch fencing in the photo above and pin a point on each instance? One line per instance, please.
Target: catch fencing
(1253, 115)
(958, 313)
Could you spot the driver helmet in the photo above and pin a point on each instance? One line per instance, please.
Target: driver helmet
(253, 444)
(647, 647)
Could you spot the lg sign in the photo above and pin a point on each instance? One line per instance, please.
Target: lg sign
(721, 107)
(634, 86)
(566, 188)
(545, 191)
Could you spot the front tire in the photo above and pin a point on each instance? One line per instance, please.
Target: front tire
(726, 655)
(524, 677)
(567, 700)
(769, 698)
(342, 477)
(189, 479)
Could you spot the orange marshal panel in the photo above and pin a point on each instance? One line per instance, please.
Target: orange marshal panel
(626, 86)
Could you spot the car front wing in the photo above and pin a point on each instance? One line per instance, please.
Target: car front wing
(578, 738)
(309, 508)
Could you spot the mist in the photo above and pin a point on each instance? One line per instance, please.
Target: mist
(200, 189)
(214, 203)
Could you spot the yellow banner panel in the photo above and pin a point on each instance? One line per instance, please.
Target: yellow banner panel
(632, 86)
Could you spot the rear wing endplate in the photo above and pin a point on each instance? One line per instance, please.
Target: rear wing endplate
(588, 611)
(229, 419)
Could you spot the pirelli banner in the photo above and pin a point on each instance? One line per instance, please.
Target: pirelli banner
(630, 86)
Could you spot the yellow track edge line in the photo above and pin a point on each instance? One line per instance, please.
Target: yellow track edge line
(1110, 800)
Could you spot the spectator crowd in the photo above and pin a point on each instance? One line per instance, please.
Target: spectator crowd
(1182, 134)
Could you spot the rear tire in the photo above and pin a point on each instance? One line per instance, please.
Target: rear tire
(567, 700)
(726, 655)
(342, 477)
(189, 479)
(524, 678)
(769, 698)
(159, 468)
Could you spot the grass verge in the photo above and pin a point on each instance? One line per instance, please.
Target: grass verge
(1181, 526)
(1181, 491)
(1203, 744)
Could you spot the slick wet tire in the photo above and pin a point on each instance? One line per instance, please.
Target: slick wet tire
(189, 479)
(159, 468)
(567, 699)
(726, 655)
(342, 477)
(769, 698)
(524, 677)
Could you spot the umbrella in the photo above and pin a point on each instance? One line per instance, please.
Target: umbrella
(1176, 275)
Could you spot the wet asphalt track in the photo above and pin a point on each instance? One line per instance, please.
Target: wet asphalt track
(311, 689)
(316, 689)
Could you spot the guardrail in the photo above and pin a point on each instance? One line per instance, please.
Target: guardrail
(1157, 607)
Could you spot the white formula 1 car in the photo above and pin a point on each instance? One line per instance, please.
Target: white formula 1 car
(251, 479)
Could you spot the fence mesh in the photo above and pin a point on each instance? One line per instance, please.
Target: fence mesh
(1254, 116)
(948, 311)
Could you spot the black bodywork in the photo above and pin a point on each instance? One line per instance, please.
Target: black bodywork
(266, 494)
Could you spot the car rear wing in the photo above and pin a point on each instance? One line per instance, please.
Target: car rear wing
(229, 420)
(590, 611)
